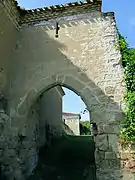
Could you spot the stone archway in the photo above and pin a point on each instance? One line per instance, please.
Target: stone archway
(103, 111)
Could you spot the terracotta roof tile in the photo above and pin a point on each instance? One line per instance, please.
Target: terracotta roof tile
(46, 13)
(70, 114)
(58, 6)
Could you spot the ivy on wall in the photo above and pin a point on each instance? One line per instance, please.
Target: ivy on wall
(128, 62)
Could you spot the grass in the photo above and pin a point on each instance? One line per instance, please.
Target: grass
(68, 158)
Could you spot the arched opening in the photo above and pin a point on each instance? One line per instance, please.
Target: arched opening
(75, 114)
(62, 137)
(102, 114)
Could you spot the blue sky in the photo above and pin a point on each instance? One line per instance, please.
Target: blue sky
(73, 103)
(125, 18)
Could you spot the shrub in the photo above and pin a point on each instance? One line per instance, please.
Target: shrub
(128, 62)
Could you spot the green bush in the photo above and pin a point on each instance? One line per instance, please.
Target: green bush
(128, 62)
(85, 128)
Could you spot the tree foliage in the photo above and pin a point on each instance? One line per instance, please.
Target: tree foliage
(85, 128)
(128, 62)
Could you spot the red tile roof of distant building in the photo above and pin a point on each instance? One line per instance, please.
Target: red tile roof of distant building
(70, 114)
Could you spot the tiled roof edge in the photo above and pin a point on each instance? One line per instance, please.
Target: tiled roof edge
(70, 114)
(46, 13)
(61, 6)
(26, 16)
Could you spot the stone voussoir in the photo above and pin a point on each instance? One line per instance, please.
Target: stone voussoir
(74, 84)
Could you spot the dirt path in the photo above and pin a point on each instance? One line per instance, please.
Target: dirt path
(68, 158)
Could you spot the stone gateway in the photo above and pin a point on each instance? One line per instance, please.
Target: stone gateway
(72, 45)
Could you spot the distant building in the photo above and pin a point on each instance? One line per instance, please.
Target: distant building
(72, 122)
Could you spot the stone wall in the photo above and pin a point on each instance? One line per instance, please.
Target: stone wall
(127, 158)
(43, 122)
(75, 52)
(11, 9)
(8, 37)
(20, 144)
(8, 133)
(83, 58)
(51, 110)
(9, 149)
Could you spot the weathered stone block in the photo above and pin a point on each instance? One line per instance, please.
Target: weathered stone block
(115, 117)
(3, 142)
(101, 142)
(85, 79)
(125, 155)
(18, 174)
(103, 99)
(118, 98)
(97, 91)
(60, 79)
(11, 152)
(1, 152)
(119, 116)
(111, 164)
(110, 155)
(109, 90)
(110, 129)
(110, 174)
(99, 155)
(113, 142)
(93, 101)
(98, 115)
(74, 84)
(87, 92)
(113, 106)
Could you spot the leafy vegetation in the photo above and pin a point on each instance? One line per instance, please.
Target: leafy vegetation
(85, 128)
(128, 62)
